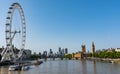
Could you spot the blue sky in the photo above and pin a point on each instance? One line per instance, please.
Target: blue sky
(67, 23)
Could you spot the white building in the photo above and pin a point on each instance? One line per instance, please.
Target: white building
(117, 49)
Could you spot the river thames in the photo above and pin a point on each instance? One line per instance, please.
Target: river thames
(69, 67)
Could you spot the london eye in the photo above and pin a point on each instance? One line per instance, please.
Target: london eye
(8, 53)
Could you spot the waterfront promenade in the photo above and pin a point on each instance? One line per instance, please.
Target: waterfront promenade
(69, 67)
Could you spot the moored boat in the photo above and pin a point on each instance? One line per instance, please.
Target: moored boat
(18, 67)
(25, 67)
(14, 67)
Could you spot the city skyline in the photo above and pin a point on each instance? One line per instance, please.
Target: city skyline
(67, 24)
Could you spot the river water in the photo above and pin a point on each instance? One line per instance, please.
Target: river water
(69, 67)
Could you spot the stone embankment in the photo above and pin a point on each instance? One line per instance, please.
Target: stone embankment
(105, 60)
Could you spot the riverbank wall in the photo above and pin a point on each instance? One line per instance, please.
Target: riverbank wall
(109, 60)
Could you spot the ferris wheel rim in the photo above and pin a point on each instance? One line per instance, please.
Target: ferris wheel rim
(9, 24)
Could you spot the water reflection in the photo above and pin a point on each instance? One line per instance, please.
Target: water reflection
(69, 67)
(3, 70)
(84, 67)
(94, 67)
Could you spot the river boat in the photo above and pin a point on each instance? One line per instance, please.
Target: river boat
(18, 67)
(14, 67)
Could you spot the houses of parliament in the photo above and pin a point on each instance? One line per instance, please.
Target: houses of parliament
(83, 54)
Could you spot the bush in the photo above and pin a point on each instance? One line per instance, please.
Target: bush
(69, 56)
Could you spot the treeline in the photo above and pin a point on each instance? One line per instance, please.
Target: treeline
(38, 56)
(105, 54)
(68, 56)
(34, 57)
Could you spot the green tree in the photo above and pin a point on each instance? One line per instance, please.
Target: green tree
(69, 56)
